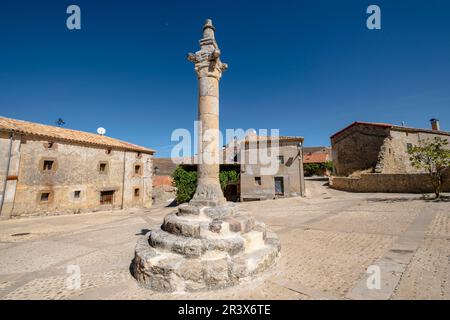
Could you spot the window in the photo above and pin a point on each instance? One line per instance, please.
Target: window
(136, 192)
(48, 165)
(258, 181)
(409, 146)
(137, 169)
(45, 196)
(280, 159)
(138, 155)
(76, 194)
(108, 151)
(103, 167)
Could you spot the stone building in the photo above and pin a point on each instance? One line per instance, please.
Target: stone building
(48, 170)
(288, 181)
(374, 157)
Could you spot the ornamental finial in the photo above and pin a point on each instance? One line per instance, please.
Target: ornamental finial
(208, 30)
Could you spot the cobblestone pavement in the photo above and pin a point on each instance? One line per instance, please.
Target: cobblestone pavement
(329, 239)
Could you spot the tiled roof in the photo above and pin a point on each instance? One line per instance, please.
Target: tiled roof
(391, 126)
(162, 181)
(57, 133)
(315, 158)
(280, 138)
(319, 149)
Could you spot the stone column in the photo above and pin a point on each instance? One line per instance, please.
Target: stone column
(209, 70)
(207, 244)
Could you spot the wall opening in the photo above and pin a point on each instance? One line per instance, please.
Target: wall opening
(107, 197)
(279, 186)
(280, 159)
(48, 165)
(103, 167)
(45, 197)
(50, 145)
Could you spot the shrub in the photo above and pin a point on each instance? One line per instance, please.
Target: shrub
(311, 169)
(226, 177)
(186, 182)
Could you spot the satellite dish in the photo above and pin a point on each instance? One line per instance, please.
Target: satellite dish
(101, 131)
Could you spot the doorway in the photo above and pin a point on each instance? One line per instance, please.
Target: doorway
(106, 197)
(279, 186)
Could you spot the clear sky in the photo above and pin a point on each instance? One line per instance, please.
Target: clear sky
(308, 68)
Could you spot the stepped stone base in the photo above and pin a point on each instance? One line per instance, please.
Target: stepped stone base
(202, 248)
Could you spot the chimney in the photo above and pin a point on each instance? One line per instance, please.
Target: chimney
(435, 125)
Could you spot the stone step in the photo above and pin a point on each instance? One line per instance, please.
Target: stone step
(250, 263)
(194, 247)
(220, 212)
(205, 227)
(188, 226)
(173, 272)
(240, 223)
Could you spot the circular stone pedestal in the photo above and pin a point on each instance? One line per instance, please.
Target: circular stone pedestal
(200, 248)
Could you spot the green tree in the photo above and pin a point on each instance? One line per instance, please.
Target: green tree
(434, 157)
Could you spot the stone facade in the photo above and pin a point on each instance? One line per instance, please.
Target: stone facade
(51, 175)
(373, 157)
(377, 148)
(255, 185)
(357, 148)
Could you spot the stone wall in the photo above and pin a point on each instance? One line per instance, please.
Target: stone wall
(357, 148)
(396, 183)
(75, 170)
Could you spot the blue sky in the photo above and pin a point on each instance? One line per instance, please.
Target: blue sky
(308, 68)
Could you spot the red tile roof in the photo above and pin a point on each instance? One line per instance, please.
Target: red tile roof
(315, 158)
(162, 181)
(52, 132)
(280, 138)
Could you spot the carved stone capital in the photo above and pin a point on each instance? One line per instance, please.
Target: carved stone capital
(207, 60)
